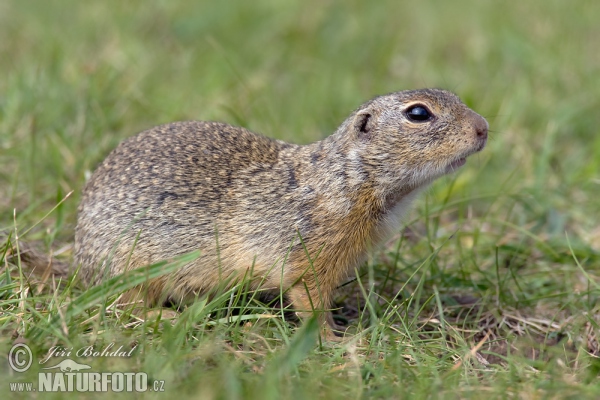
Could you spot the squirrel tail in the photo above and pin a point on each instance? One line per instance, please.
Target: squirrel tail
(32, 259)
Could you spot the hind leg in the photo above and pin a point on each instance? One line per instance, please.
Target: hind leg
(139, 298)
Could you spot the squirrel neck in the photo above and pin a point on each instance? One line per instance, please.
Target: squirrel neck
(350, 207)
(338, 168)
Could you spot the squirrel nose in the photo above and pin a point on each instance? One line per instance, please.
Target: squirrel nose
(481, 128)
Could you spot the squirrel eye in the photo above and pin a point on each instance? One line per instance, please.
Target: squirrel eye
(418, 113)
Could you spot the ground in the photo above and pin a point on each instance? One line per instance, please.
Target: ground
(491, 289)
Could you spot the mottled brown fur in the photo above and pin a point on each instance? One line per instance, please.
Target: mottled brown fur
(184, 186)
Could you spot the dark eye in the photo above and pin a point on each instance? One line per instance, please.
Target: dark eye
(418, 113)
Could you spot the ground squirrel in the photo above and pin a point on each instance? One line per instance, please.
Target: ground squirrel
(271, 206)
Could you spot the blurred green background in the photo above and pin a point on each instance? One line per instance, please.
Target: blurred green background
(76, 77)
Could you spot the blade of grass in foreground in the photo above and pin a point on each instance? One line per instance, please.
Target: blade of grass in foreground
(115, 285)
(301, 345)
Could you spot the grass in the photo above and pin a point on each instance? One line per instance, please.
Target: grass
(491, 290)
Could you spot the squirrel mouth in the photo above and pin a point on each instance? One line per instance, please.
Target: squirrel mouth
(456, 164)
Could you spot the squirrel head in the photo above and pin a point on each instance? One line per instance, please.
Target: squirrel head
(405, 140)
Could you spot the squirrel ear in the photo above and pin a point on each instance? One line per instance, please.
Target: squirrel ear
(364, 124)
